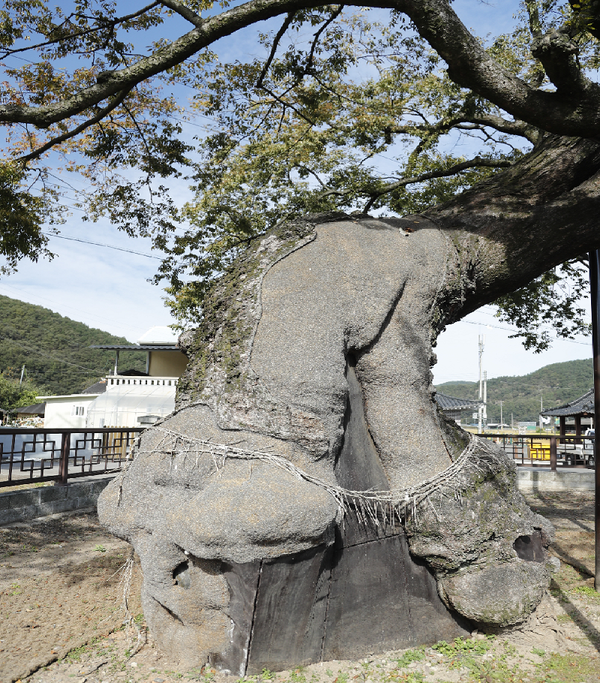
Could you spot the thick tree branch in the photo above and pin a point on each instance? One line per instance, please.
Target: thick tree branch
(471, 67)
(512, 227)
(556, 51)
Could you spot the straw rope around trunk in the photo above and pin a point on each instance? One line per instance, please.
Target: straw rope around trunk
(375, 506)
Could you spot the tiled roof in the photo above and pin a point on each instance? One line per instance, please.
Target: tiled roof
(584, 405)
(98, 388)
(35, 409)
(137, 347)
(452, 403)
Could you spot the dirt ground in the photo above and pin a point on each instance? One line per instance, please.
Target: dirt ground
(62, 618)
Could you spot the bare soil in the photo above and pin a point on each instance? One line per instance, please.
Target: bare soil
(62, 618)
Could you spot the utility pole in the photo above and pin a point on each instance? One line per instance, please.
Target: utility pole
(484, 400)
(501, 417)
(481, 341)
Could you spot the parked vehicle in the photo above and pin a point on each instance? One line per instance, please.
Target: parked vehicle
(589, 445)
(579, 453)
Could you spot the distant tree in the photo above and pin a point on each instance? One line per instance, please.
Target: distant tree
(15, 395)
(555, 384)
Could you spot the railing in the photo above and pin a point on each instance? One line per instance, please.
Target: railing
(29, 456)
(547, 450)
(126, 380)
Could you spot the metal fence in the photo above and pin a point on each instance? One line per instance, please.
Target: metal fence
(28, 456)
(547, 450)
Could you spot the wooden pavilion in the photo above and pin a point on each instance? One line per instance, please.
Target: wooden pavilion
(577, 409)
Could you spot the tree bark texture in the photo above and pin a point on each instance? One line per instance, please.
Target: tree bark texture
(306, 461)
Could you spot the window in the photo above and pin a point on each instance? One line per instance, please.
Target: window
(78, 411)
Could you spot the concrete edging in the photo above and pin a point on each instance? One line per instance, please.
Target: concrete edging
(24, 504)
(531, 479)
(18, 506)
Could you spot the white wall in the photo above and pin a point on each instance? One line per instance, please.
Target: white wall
(67, 411)
(127, 399)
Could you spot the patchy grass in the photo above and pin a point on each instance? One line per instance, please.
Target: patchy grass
(506, 658)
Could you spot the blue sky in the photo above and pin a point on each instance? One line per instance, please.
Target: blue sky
(109, 289)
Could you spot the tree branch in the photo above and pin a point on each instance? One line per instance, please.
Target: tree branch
(317, 35)
(183, 11)
(551, 197)
(79, 129)
(477, 162)
(80, 34)
(284, 27)
(556, 51)
(500, 124)
(472, 67)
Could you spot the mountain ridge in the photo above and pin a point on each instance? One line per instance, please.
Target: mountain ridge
(522, 395)
(55, 349)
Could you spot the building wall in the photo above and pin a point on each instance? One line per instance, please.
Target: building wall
(67, 411)
(167, 363)
(132, 401)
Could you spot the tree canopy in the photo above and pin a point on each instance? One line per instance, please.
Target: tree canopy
(342, 112)
(14, 394)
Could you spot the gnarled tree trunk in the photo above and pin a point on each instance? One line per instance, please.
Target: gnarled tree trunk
(307, 500)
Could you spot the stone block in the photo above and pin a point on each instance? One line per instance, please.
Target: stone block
(25, 498)
(52, 493)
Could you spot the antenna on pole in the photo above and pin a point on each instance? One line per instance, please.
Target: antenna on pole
(484, 399)
(481, 340)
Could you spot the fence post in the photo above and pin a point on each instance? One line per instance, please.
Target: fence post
(553, 453)
(63, 466)
(594, 259)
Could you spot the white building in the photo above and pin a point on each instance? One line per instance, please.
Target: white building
(128, 400)
(71, 410)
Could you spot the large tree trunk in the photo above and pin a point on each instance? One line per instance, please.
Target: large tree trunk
(273, 509)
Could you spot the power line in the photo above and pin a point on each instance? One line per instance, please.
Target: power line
(32, 349)
(98, 244)
(514, 330)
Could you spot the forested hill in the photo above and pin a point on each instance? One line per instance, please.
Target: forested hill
(55, 350)
(555, 384)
